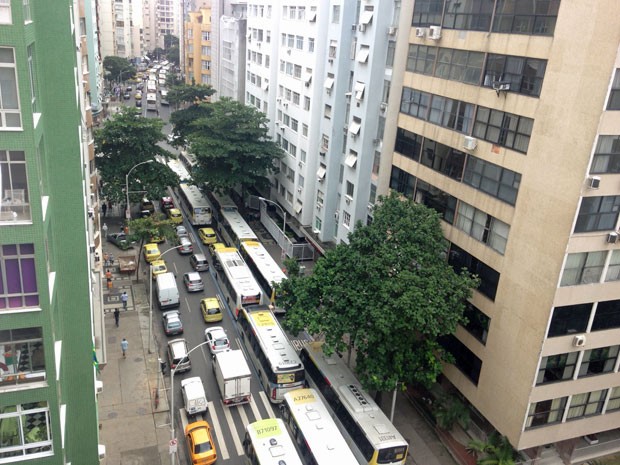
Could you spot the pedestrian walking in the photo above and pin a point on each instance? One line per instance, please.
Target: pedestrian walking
(124, 299)
(104, 228)
(124, 347)
(104, 209)
(106, 259)
(117, 316)
(108, 277)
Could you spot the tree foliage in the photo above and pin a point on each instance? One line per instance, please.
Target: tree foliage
(388, 294)
(496, 451)
(118, 68)
(192, 95)
(124, 141)
(154, 225)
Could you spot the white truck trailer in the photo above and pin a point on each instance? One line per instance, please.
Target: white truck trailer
(233, 377)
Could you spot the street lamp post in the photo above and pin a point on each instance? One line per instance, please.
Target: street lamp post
(283, 224)
(151, 294)
(128, 210)
(172, 438)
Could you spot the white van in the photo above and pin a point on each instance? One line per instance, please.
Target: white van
(194, 397)
(167, 291)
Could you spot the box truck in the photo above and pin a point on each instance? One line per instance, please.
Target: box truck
(167, 291)
(194, 396)
(233, 377)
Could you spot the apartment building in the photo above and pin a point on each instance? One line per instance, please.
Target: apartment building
(198, 63)
(505, 118)
(47, 239)
(321, 72)
(121, 28)
(229, 49)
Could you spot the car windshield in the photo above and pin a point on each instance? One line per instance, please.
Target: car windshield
(202, 447)
(221, 342)
(213, 311)
(174, 324)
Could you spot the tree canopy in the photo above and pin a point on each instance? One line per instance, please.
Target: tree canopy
(124, 141)
(118, 68)
(388, 294)
(230, 141)
(145, 228)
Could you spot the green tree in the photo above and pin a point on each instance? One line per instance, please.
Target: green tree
(496, 451)
(145, 228)
(170, 41)
(389, 294)
(118, 68)
(449, 410)
(232, 146)
(124, 141)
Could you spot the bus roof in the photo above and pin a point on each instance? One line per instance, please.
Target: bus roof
(263, 260)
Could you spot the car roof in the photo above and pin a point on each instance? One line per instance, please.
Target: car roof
(174, 210)
(151, 246)
(184, 239)
(217, 332)
(193, 275)
(211, 302)
(208, 230)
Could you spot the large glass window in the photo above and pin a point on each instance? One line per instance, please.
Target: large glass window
(415, 103)
(472, 15)
(421, 59)
(21, 356)
(482, 227)
(607, 155)
(489, 278)
(15, 200)
(440, 201)
(459, 65)
(598, 214)
(26, 431)
(408, 144)
(496, 181)
(607, 315)
(525, 75)
(477, 322)
(614, 95)
(10, 115)
(505, 129)
(519, 17)
(546, 412)
(402, 182)
(558, 367)
(18, 281)
(443, 159)
(613, 269)
(464, 359)
(598, 361)
(614, 400)
(5, 12)
(586, 404)
(583, 268)
(569, 319)
(427, 12)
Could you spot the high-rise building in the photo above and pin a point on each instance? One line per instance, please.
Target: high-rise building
(48, 185)
(121, 28)
(198, 63)
(504, 116)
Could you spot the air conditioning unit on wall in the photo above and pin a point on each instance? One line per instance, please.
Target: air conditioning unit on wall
(469, 143)
(579, 341)
(420, 32)
(594, 182)
(612, 237)
(434, 33)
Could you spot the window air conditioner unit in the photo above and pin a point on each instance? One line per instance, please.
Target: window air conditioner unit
(383, 106)
(300, 164)
(594, 182)
(420, 32)
(469, 143)
(361, 27)
(612, 237)
(579, 341)
(101, 449)
(286, 104)
(336, 215)
(392, 30)
(98, 386)
(347, 94)
(299, 190)
(434, 33)
(319, 207)
(501, 86)
(322, 154)
(282, 128)
(331, 60)
(348, 199)
(279, 99)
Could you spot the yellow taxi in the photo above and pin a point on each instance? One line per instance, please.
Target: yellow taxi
(211, 310)
(151, 252)
(156, 237)
(174, 214)
(159, 267)
(200, 443)
(216, 246)
(207, 235)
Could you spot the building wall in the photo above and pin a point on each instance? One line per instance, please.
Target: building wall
(54, 270)
(198, 32)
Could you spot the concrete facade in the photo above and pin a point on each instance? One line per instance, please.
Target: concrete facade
(504, 121)
(121, 28)
(198, 47)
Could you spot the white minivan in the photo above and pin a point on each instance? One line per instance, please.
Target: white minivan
(194, 397)
(167, 291)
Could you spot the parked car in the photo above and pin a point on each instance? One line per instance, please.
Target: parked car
(211, 310)
(217, 339)
(200, 443)
(156, 237)
(199, 262)
(185, 245)
(174, 214)
(138, 95)
(207, 235)
(193, 282)
(122, 240)
(159, 267)
(147, 204)
(166, 203)
(172, 323)
(181, 231)
(215, 246)
(151, 252)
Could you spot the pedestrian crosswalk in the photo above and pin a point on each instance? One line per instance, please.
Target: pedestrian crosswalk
(228, 423)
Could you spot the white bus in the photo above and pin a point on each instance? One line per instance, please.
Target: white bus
(373, 438)
(151, 101)
(188, 160)
(231, 225)
(237, 278)
(267, 443)
(317, 437)
(151, 86)
(266, 270)
(278, 365)
(195, 204)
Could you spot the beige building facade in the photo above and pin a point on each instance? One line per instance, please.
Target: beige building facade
(198, 47)
(505, 117)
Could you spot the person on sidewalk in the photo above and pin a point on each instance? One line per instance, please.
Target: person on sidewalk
(104, 228)
(104, 209)
(108, 277)
(124, 299)
(117, 316)
(124, 347)
(106, 259)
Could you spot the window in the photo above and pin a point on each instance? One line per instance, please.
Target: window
(421, 59)
(402, 182)
(482, 227)
(18, 282)
(307, 103)
(299, 42)
(525, 75)
(570, 319)
(372, 196)
(332, 48)
(496, 181)
(302, 156)
(546, 412)
(205, 64)
(327, 112)
(408, 144)
(598, 361)
(450, 113)
(489, 278)
(26, 430)
(362, 54)
(613, 269)
(290, 41)
(15, 204)
(294, 124)
(292, 12)
(5, 12)
(319, 197)
(318, 223)
(477, 322)
(376, 164)
(614, 400)
(206, 36)
(459, 65)
(304, 129)
(474, 15)
(301, 13)
(606, 156)
(519, 17)
(587, 404)
(325, 142)
(607, 315)
(391, 50)
(415, 103)
(310, 44)
(350, 189)
(614, 96)
(27, 12)
(583, 268)
(10, 115)
(598, 214)
(335, 14)
(33, 81)
(557, 368)
(505, 129)
(346, 219)
(21, 351)
(464, 359)
(427, 12)
(296, 98)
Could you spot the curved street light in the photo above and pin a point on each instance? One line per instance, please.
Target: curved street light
(128, 210)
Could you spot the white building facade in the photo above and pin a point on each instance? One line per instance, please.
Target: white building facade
(120, 28)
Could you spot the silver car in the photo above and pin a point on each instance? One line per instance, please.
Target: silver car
(181, 231)
(185, 245)
(217, 339)
(193, 282)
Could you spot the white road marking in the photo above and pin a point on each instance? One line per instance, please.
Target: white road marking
(233, 430)
(189, 308)
(221, 444)
(266, 403)
(244, 417)
(184, 421)
(255, 409)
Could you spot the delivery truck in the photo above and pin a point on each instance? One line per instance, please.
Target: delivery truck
(233, 377)
(194, 396)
